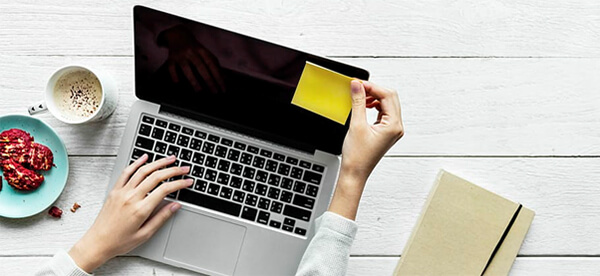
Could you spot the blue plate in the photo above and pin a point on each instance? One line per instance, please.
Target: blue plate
(17, 204)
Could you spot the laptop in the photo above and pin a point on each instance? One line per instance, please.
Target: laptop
(263, 168)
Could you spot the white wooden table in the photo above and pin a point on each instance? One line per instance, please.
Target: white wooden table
(502, 93)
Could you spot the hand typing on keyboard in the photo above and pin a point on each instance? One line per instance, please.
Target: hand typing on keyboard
(365, 144)
(125, 220)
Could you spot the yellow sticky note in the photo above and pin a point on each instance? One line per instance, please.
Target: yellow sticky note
(324, 92)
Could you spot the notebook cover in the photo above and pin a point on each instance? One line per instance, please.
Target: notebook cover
(464, 230)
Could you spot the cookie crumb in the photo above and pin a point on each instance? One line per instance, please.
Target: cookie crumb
(55, 212)
(75, 207)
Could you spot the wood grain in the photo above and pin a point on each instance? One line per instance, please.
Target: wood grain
(562, 192)
(516, 107)
(347, 28)
(358, 266)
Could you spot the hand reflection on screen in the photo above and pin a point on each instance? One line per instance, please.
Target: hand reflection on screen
(187, 55)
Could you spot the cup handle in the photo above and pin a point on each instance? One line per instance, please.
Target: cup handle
(37, 108)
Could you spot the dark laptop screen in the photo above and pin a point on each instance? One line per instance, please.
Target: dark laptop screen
(230, 79)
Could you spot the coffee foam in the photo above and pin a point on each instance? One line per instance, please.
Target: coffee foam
(77, 94)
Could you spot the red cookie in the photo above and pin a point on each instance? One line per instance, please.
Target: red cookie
(37, 157)
(15, 135)
(20, 177)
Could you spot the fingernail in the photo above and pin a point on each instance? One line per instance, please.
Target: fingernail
(171, 157)
(185, 169)
(175, 207)
(189, 181)
(355, 86)
(143, 156)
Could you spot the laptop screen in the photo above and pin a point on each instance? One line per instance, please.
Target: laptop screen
(231, 80)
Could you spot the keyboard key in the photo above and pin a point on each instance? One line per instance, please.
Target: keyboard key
(303, 201)
(258, 162)
(261, 176)
(172, 195)
(145, 130)
(248, 186)
(200, 134)
(276, 207)
(221, 151)
(238, 196)
(188, 131)
(235, 182)
(240, 146)
(208, 147)
(198, 171)
(266, 153)
(200, 185)
(295, 212)
(273, 193)
(289, 221)
(249, 172)
(210, 202)
(211, 161)
(252, 149)
(185, 164)
(236, 169)
(260, 189)
(198, 158)
(271, 166)
(299, 187)
(173, 150)
(183, 140)
(263, 217)
(249, 213)
(304, 164)
(312, 177)
(196, 144)
(274, 180)
(210, 175)
(148, 120)
(158, 133)
(284, 169)
(226, 142)
(300, 231)
(213, 189)
(174, 127)
(224, 165)
(287, 228)
(160, 147)
(213, 138)
(223, 178)
(279, 157)
(158, 157)
(161, 123)
(233, 155)
(171, 137)
(286, 196)
(318, 168)
(144, 143)
(246, 158)
(264, 203)
(186, 155)
(275, 224)
(296, 173)
(291, 160)
(251, 200)
(226, 192)
(137, 153)
(312, 190)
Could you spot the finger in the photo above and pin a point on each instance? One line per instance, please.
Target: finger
(359, 112)
(157, 220)
(147, 169)
(156, 196)
(203, 71)
(213, 66)
(173, 72)
(129, 170)
(388, 99)
(159, 176)
(187, 71)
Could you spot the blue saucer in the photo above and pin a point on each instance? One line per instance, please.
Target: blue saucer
(17, 204)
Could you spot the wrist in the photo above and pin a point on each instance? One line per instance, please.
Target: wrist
(88, 254)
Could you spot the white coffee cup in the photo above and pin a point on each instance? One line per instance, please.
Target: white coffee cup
(106, 105)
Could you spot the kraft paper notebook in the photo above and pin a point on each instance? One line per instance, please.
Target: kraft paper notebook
(464, 230)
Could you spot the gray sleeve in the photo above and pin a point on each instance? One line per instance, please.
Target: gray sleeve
(329, 250)
(61, 265)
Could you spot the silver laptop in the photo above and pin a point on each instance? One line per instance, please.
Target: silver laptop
(263, 168)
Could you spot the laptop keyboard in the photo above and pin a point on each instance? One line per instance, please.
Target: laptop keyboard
(233, 177)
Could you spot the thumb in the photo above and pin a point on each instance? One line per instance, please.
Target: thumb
(359, 111)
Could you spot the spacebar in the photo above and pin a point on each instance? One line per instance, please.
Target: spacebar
(210, 202)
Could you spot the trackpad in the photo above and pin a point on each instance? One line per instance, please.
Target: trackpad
(205, 242)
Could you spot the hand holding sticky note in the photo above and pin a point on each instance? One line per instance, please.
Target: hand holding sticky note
(324, 92)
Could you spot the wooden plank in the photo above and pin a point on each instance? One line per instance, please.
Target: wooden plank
(562, 191)
(349, 28)
(517, 107)
(356, 266)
